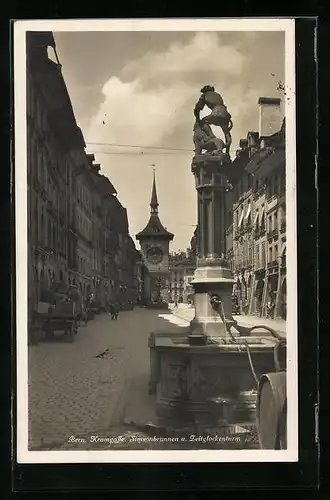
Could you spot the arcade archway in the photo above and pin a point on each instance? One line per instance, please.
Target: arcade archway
(283, 299)
(258, 295)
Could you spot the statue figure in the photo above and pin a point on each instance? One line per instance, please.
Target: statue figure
(219, 114)
(205, 139)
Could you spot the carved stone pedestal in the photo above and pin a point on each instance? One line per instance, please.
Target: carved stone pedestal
(192, 382)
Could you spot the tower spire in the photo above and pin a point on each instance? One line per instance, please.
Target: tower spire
(154, 201)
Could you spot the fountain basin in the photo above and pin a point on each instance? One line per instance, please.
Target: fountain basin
(196, 382)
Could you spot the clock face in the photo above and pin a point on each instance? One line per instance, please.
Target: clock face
(155, 255)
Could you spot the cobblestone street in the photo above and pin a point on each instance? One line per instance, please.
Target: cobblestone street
(73, 392)
(93, 393)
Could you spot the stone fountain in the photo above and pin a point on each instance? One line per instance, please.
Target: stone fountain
(206, 372)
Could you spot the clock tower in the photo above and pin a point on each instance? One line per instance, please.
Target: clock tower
(154, 240)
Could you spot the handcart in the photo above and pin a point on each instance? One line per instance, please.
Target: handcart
(60, 318)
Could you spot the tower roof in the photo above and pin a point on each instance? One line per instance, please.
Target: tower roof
(154, 228)
(154, 201)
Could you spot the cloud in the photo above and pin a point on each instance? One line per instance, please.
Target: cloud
(150, 103)
(156, 93)
(204, 53)
(133, 115)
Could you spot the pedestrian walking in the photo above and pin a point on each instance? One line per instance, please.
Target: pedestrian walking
(112, 311)
(116, 311)
(271, 305)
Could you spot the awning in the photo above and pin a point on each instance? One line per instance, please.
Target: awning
(248, 212)
(241, 218)
(256, 218)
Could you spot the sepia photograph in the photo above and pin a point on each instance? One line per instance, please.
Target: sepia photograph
(155, 213)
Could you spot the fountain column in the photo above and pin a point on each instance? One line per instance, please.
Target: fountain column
(213, 277)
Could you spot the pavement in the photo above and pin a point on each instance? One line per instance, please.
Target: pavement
(186, 313)
(93, 393)
(84, 388)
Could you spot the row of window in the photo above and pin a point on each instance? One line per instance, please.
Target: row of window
(84, 197)
(38, 160)
(179, 275)
(84, 227)
(275, 220)
(84, 266)
(96, 261)
(88, 265)
(260, 254)
(274, 184)
(51, 235)
(34, 107)
(243, 255)
(39, 167)
(243, 217)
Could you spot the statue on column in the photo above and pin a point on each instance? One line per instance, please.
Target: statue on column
(219, 117)
(204, 139)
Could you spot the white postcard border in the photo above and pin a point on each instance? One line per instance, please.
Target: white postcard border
(117, 456)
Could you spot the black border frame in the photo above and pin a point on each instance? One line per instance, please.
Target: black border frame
(216, 477)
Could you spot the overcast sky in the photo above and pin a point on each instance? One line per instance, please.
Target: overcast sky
(139, 88)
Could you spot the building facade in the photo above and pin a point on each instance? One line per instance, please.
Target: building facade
(52, 134)
(182, 268)
(77, 228)
(256, 239)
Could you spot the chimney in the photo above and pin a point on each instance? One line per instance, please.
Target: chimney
(270, 116)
